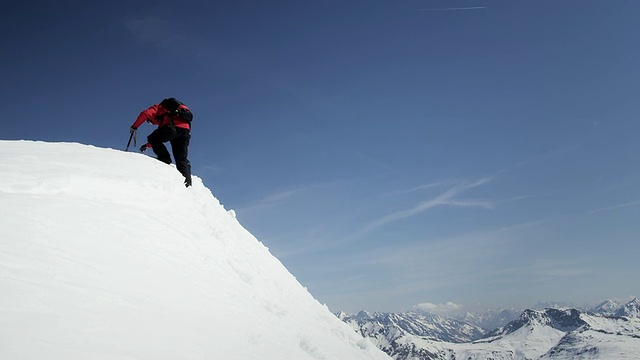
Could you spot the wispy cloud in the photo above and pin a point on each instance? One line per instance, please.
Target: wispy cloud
(523, 225)
(293, 193)
(455, 264)
(340, 236)
(454, 8)
(516, 198)
(445, 193)
(613, 207)
(421, 187)
(280, 196)
(481, 203)
(447, 198)
(211, 169)
(429, 254)
(445, 308)
(448, 194)
(548, 270)
(551, 154)
(421, 268)
(275, 198)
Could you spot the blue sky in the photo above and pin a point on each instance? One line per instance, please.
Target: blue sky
(389, 153)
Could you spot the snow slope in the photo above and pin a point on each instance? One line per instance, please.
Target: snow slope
(603, 338)
(106, 255)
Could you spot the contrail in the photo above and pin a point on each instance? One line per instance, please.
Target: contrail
(454, 9)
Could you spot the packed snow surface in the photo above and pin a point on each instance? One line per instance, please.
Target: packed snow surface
(106, 255)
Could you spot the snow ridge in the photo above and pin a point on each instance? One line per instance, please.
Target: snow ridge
(106, 255)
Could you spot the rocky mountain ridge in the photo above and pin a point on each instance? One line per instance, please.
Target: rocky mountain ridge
(606, 331)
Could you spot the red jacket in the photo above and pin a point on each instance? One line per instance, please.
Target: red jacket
(158, 115)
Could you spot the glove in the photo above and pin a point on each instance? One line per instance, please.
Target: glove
(143, 148)
(132, 130)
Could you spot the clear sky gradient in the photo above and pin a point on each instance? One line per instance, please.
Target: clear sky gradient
(389, 153)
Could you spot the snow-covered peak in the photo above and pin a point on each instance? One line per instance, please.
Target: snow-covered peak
(630, 309)
(562, 320)
(106, 255)
(416, 323)
(607, 307)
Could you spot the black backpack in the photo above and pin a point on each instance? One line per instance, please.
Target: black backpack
(173, 106)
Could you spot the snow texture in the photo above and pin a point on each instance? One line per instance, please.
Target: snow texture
(106, 255)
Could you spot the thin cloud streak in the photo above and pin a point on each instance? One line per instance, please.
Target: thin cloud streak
(421, 187)
(486, 204)
(545, 270)
(430, 266)
(279, 197)
(273, 199)
(434, 266)
(613, 207)
(283, 195)
(549, 154)
(446, 198)
(523, 225)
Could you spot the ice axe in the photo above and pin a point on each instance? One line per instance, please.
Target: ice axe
(132, 136)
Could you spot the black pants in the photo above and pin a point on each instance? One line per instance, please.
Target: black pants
(179, 139)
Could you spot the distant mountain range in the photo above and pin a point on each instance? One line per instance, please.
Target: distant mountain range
(418, 323)
(606, 331)
(490, 319)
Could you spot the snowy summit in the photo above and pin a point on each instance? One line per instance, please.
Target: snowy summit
(106, 255)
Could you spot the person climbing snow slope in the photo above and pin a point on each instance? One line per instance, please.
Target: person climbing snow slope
(173, 119)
